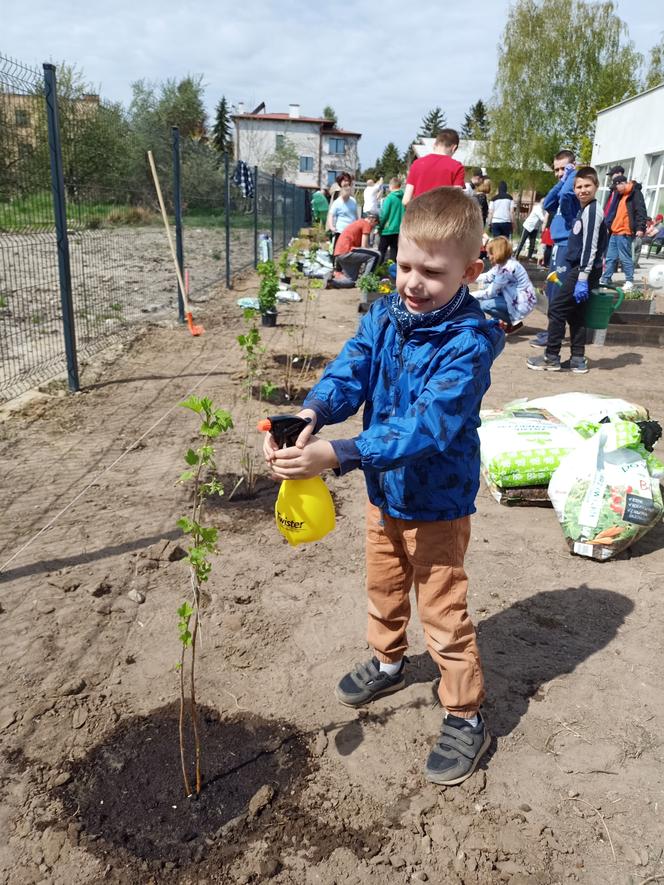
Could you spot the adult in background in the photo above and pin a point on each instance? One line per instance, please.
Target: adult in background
(437, 169)
(531, 226)
(502, 213)
(474, 189)
(343, 209)
(628, 222)
(563, 207)
(320, 206)
(352, 252)
(391, 214)
(372, 194)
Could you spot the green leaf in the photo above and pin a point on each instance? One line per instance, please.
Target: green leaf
(187, 475)
(185, 524)
(192, 402)
(186, 610)
(191, 457)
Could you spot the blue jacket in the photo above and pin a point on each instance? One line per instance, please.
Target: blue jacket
(419, 448)
(562, 203)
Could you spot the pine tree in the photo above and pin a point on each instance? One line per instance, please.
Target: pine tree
(330, 114)
(432, 123)
(222, 137)
(476, 122)
(390, 164)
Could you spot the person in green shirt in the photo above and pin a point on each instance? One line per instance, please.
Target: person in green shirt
(391, 214)
(319, 206)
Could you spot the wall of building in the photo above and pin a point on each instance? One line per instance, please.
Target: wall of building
(631, 134)
(256, 142)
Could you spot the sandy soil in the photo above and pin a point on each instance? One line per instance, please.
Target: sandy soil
(572, 789)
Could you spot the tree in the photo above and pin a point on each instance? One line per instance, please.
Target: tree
(432, 123)
(330, 114)
(655, 72)
(476, 122)
(222, 136)
(390, 163)
(283, 162)
(560, 61)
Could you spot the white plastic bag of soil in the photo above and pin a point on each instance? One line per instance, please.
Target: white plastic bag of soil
(607, 492)
(576, 409)
(522, 447)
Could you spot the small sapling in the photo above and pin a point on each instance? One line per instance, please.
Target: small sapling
(203, 544)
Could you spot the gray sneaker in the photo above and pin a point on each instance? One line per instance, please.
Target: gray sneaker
(456, 753)
(367, 681)
(543, 363)
(576, 364)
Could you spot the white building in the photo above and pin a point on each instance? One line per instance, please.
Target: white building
(323, 150)
(631, 134)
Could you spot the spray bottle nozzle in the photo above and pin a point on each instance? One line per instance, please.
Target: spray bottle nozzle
(284, 428)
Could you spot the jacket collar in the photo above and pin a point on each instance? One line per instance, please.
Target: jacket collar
(407, 322)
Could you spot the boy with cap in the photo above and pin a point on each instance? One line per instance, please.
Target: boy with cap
(627, 220)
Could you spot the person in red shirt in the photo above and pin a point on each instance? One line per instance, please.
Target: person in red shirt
(437, 169)
(352, 252)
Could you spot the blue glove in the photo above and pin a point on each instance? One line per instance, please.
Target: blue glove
(569, 169)
(581, 291)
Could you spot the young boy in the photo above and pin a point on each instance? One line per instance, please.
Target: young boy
(585, 248)
(420, 365)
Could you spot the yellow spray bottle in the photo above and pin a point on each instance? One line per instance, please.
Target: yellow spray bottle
(304, 510)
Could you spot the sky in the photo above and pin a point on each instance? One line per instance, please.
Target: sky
(381, 64)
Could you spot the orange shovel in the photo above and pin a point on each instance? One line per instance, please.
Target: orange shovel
(195, 330)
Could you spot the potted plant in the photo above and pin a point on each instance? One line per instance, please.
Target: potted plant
(371, 287)
(267, 292)
(284, 263)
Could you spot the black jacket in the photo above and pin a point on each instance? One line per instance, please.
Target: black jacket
(636, 210)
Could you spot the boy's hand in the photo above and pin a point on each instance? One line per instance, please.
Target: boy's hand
(303, 463)
(568, 171)
(581, 292)
(270, 447)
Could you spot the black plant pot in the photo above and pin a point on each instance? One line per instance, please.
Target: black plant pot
(269, 318)
(285, 279)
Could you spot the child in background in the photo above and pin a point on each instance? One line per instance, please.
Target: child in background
(585, 251)
(419, 364)
(509, 296)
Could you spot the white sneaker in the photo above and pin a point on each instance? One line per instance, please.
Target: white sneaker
(627, 286)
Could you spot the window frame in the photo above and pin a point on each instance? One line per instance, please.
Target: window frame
(308, 164)
(337, 140)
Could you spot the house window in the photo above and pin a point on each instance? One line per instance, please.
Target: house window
(654, 189)
(337, 145)
(22, 118)
(306, 164)
(25, 150)
(280, 141)
(331, 175)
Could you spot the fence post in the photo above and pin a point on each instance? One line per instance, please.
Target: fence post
(177, 206)
(60, 212)
(227, 218)
(273, 209)
(255, 216)
(284, 211)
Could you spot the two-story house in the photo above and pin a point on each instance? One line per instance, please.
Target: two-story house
(322, 149)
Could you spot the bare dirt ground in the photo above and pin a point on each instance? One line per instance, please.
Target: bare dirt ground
(299, 788)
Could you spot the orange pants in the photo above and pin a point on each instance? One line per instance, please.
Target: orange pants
(429, 555)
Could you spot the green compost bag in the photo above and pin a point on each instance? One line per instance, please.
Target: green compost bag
(522, 447)
(606, 493)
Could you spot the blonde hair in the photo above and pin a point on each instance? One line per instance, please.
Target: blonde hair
(500, 249)
(445, 213)
(484, 187)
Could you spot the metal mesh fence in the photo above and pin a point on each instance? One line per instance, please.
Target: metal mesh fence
(119, 269)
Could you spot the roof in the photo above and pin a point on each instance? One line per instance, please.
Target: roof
(631, 98)
(322, 121)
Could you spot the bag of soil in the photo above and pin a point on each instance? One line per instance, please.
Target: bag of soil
(606, 493)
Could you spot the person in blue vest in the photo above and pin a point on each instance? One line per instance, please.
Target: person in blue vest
(561, 203)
